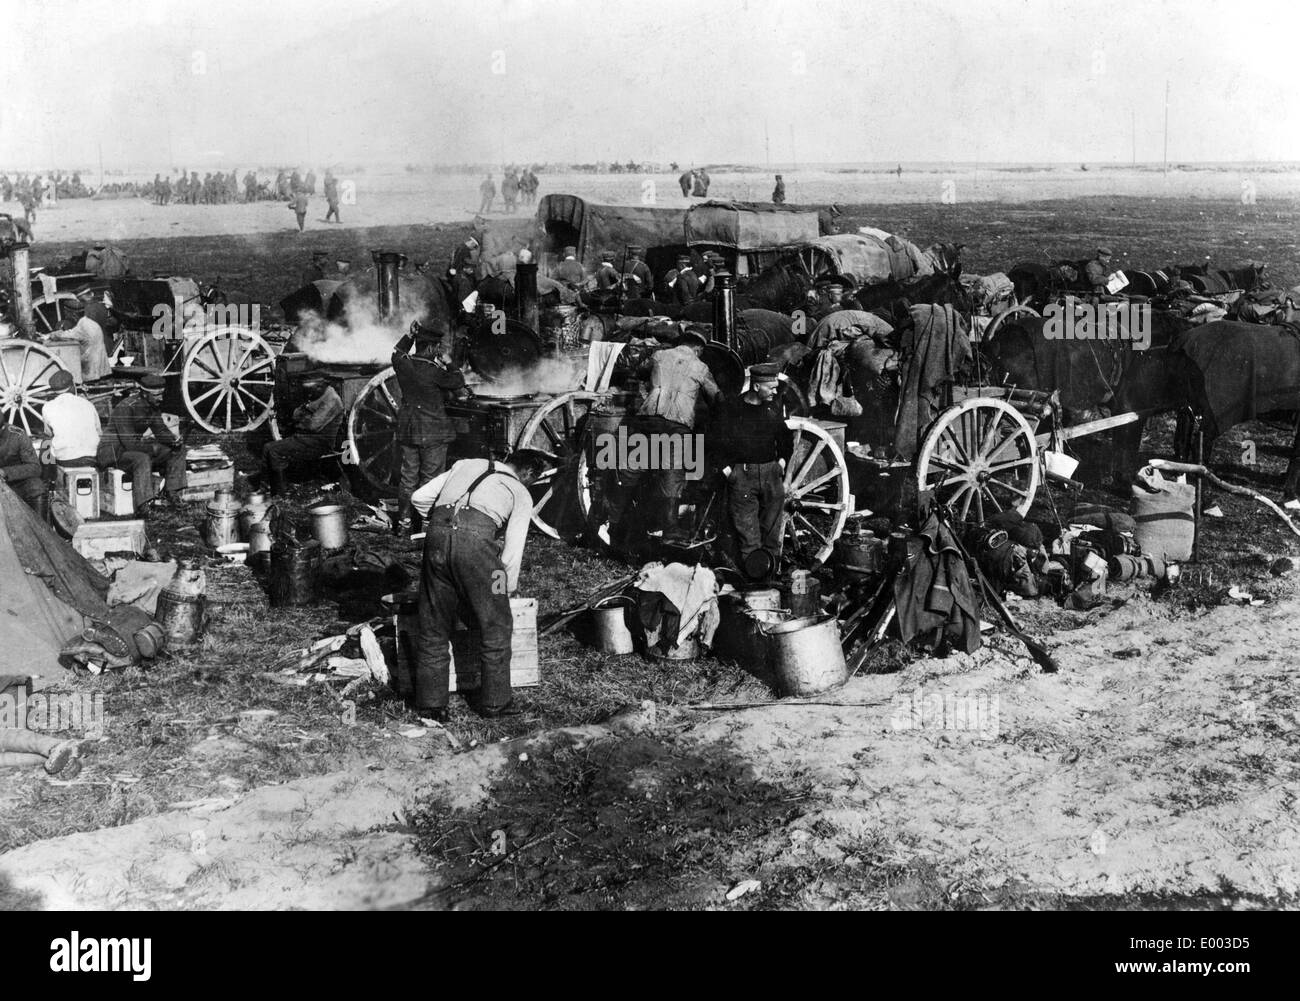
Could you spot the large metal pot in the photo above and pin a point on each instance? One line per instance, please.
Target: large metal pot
(805, 655)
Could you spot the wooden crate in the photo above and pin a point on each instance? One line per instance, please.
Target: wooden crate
(524, 667)
(95, 538)
(202, 484)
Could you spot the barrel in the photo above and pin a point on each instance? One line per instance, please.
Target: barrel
(805, 655)
(329, 525)
(293, 574)
(404, 608)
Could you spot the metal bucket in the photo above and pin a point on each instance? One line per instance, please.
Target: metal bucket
(805, 655)
(329, 525)
(259, 545)
(802, 594)
(768, 598)
(609, 620)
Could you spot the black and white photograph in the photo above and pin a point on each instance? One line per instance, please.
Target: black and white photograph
(753, 455)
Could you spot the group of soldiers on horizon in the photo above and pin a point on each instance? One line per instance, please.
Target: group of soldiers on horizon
(31, 192)
(516, 185)
(224, 188)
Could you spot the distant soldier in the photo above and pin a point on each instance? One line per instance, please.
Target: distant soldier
(165, 194)
(250, 187)
(637, 272)
(295, 182)
(6, 187)
(488, 191)
(1097, 271)
(332, 196)
(232, 186)
(701, 183)
(687, 183)
(310, 181)
(196, 187)
(778, 193)
(157, 189)
(282, 185)
(607, 276)
(528, 184)
(510, 190)
(299, 206)
(570, 271)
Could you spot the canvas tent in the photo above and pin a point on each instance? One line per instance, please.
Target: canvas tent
(750, 235)
(569, 220)
(48, 591)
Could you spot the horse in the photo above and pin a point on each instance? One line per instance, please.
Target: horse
(1095, 374)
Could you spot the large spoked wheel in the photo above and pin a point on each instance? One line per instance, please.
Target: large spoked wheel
(991, 330)
(227, 380)
(555, 429)
(372, 433)
(817, 500)
(48, 311)
(25, 371)
(980, 457)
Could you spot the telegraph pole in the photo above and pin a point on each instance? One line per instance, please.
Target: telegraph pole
(1166, 126)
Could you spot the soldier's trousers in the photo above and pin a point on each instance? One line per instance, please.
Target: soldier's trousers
(463, 577)
(139, 462)
(420, 464)
(298, 450)
(755, 499)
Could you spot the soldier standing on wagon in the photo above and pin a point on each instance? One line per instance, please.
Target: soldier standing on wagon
(607, 276)
(636, 271)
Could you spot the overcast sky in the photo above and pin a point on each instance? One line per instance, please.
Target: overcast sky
(212, 83)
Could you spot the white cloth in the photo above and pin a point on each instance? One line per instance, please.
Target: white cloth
(601, 359)
(693, 591)
(94, 356)
(74, 426)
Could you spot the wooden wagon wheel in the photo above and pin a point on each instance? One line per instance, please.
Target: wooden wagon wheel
(997, 321)
(817, 500)
(227, 380)
(980, 457)
(25, 370)
(372, 433)
(48, 311)
(554, 429)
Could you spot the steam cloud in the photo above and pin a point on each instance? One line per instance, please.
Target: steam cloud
(361, 338)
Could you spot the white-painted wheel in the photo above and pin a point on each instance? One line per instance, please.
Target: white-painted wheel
(817, 501)
(25, 371)
(980, 457)
(228, 380)
(372, 433)
(991, 330)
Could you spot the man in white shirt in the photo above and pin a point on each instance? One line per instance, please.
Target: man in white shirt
(94, 354)
(476, 522)
(73, 424)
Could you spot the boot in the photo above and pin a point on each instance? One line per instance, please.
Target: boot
(278, 480)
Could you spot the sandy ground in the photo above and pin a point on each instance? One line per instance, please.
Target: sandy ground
(1161, 760)
(390, 199)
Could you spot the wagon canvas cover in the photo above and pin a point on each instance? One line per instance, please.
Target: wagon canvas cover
(613, 227)
(750, 226)
(872, 260)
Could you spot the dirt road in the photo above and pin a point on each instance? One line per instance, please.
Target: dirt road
(1161, 761)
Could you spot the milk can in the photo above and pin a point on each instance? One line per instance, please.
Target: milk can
(181, 603)
(223, 521)
(254, 510)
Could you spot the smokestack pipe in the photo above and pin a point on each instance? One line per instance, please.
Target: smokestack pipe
(22, 290)
(724, 308)
(388, 264)
(526, 295)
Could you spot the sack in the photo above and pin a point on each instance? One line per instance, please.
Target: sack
(1163, 512)
(1100, 516)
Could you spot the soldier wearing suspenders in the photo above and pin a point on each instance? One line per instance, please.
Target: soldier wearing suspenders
(476, 522)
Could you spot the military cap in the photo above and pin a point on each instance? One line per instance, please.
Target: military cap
(570, 251)
(766, 372)
(635, 248)
(1103, 252)
(153, 383)
(608, 255)
(61, 381)
(683, 259)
